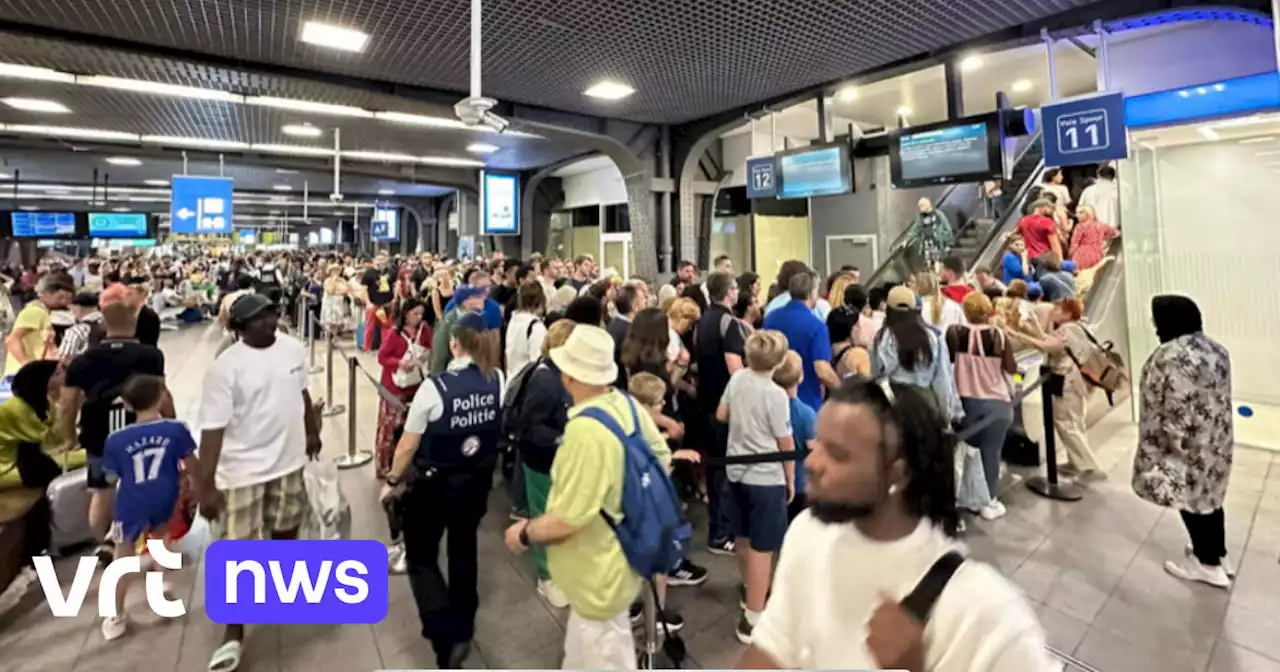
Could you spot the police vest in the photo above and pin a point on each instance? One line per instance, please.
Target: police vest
(467, 432)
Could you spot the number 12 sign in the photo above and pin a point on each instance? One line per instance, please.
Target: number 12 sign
(1085, 130)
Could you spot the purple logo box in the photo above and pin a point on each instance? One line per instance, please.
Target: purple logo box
(253, 582)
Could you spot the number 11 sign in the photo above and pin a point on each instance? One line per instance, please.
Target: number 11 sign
(1085, 130)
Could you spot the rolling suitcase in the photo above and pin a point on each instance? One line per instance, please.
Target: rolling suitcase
(69, 497)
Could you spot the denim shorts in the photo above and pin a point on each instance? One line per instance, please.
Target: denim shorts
(758, 513)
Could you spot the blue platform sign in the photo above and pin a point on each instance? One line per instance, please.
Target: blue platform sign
(762, 177)
(1085, 130)
(200, 204)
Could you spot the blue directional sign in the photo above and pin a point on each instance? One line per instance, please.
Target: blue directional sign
(1085, 130)
(200, 204)
(762, 174)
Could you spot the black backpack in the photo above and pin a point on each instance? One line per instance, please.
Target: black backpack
(516, 388)
(919, 602)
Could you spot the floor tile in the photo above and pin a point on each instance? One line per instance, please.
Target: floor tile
(1228, 658)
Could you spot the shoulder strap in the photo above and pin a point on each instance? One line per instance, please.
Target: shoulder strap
(528, 333)
(919, 602)
(602, 416)
(726, 321)
(524, 381)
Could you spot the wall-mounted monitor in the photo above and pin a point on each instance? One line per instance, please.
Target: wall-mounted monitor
(247, 236)
(117, 225)
(821, 170)
(500, 198)
(946, 153)
(385, 227)
(43, 224)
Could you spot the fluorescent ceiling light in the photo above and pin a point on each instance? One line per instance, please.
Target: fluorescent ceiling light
(147, 199)
(296, 150)
(275, 212)
(29, 208)
(141, 86)
(282, 187)
(308, 106)
(280, 199)
(1208, 133)
(119, 209)
(420, 120)
(301, 130)
(388, 157)
(971, 63)
(27, 72)
(157, 183)
(903, 111)
(334, 37)
(199, 143)
(1256, 141)
(848, 94)
(96, 203)
(69, 132)
(386, 192)
(482, 148)
(59, 191)
(608, 90)
(450, 162)
(35, 105)
(5, 176)
(1022, 86)
(286, 171)
(124, 161)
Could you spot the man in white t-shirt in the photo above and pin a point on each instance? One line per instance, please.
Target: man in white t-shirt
(257, 429)
(881, 505)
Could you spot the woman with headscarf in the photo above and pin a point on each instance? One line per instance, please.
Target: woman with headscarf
(1186, 438)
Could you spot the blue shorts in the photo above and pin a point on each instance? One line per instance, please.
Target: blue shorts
(127, 529)
(757, 513)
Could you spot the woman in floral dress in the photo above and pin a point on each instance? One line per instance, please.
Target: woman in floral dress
(1186, 438)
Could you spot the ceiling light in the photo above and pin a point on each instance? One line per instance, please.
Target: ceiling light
(119, 209)
(279, 199)
(607, 90)
(1208, 133)
(96, 204)
(1273, 152)
(388, 157)
(1256, 141)
(334, 37)
(69, 132)
(157, 183)
(148, 199)
(386, 192)
(275, 212)
(450, 162)
(296, 150)
(199, 143)
(58, 191)
(1219, 87)
(971, 63)
(286, 171)
(1184, 93)
(420, 120)
(282, 187)
(303, 130)
(142, 86)
(35, 105)
(482, 148)
(5, 176)
(29, 208)
(123, 161)
(848, 95)
(27, 72)
(308, 106)
(1022, 86)
(903, 111)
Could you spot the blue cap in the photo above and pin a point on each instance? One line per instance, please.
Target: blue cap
(473, 321)
(468, 292)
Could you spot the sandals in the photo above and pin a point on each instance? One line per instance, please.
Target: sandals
(226, 658)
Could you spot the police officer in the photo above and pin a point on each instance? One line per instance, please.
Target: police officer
(440, 479)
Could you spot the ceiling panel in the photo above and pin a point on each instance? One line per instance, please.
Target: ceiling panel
(686, 58)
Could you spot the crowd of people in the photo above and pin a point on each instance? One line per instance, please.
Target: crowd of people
(816, 419)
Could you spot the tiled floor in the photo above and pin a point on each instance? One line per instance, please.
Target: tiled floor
(1092, 568)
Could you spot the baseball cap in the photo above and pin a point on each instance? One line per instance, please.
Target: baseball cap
(248, 307)
(468, 292)
(901, 298)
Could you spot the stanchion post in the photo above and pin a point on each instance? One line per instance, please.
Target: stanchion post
(331, 409)
(353, 458)
(649, 652)
(1048, 485)
(310, 321)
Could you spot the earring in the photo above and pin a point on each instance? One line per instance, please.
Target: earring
(893, 488)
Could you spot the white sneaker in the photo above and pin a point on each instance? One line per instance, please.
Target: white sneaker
(993, 510)
(1227, 566)
(1192, 570)
(397, 559)
(114, 627)
(552, 594)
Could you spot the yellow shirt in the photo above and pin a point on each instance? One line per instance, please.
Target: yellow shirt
(586, 477)
(35, 318)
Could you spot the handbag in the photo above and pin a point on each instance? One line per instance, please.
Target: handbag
(971, 479)
(406, 378)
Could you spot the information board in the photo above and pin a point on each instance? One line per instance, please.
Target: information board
(118, 224)
(944, 153)
(762, 173)
(815, 171)
(43, 224)
(1085, 130)
(501, 204)
(248, 236)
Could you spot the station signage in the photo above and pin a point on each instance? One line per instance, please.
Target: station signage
(1085, 130)
(762, 177)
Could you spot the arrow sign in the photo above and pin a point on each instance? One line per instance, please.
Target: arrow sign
(185, 214)
(200, 204)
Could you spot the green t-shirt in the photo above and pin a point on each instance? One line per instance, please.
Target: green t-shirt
(586, 477)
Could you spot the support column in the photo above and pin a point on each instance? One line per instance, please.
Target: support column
(822, 118)
(640, 210)
(666, 164)
(955, 89)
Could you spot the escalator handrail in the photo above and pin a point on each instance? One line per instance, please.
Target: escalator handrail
(897, 248)
(1014, 213)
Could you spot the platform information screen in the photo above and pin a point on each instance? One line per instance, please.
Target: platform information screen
(819, 171)
(118, 224)
(43, 224)
(949, 154)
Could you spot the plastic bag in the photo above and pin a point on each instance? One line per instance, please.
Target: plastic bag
(971, 479)
(328, 513)
(197, 539)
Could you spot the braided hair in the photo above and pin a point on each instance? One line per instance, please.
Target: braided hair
(912, 429)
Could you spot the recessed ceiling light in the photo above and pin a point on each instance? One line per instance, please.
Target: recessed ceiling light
(142, 86)
(123, 161)
(199, 143)
(386, 192)
(848, 94)
(1184, 94)
(71, 132)
(283, 187)
(1256, 141)
(1219, 87)
(971, 63)
(334, 37)
(309, 106)
(28, 72)
(903, 111)
(36, 105)
(482, 148)
(157, 183)
(607, 90)
(1022, 86)
(301, 130)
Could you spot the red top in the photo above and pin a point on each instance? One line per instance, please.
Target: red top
(1087, 242)
(1036, 232)
(957, 292)
(394, 346)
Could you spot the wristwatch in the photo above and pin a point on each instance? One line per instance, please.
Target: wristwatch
(392, 480)
(524, 536)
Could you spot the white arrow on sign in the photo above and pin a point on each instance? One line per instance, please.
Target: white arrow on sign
(185, 214)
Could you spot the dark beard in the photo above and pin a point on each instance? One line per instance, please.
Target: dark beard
(840, 512)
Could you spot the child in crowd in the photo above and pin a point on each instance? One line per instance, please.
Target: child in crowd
(146, 460)
(803, 418)
(757, 496)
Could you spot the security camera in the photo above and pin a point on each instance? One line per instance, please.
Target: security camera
(475, 111)
(336, 197)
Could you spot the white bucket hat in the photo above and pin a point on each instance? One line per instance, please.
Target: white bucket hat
(587, 356)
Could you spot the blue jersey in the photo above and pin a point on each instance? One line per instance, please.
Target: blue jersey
(144, 458)
(803, 419)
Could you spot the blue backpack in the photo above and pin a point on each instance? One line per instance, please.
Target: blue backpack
(652, 533)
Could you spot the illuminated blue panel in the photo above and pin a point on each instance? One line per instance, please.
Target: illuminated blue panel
(1254, 93)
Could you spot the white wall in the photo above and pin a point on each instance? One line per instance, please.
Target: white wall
(603, 185)
(1186, 54)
